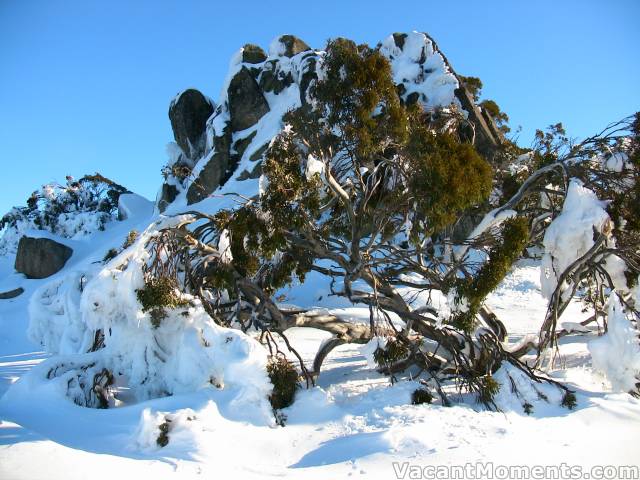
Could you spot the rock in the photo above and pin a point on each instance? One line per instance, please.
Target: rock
(272, 79)
(247, 104)
(41, 257)
(216, 171)
(293, 45)
(485, 141)
(189, 114)
(167, 195)
(253, 174)
(11, 293)
(398, 39)
(259, 153)
(309, 76)
(253, 54)
(241, 145)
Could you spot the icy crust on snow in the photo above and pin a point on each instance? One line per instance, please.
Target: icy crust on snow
(185, 353)
(421, 69)
(617, 353)
(571, 234)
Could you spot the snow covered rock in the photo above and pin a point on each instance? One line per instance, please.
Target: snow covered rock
(253, 54)
(188, 113)
(41, 257)
(246, 102)
(261, 88)
(288, 46)
(131, 205)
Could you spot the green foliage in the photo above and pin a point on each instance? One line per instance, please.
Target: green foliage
(420, 396)
(625, 203)
(158, 294)
(528, 408)
(358, 82)
(284, 377)
(499, 117)
(549, 145)
(473, 85)
(488, 388)
(132, 236)
(515, 235)
(393, 352)
(445, 178)
(569, 400)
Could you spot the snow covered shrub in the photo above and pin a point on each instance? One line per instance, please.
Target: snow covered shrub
(617, 353)
(112, 253)
(185, 352)
(158, 294)
(390, 353)
(73, 210)
(55, 320)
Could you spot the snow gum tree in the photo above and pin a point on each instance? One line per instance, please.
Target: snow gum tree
(367, 191)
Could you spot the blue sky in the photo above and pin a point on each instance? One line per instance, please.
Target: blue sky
(85, 85)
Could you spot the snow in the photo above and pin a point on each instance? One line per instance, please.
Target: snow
(419, 66)
(132, 205)
(354, 421)
(314, 167)
(616, 162)
(421, 69)
(571, 234)
(208, 384)
(617, 352)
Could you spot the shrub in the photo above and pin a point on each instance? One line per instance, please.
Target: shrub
(158, 294)
(111, 254)
(73, 210)
(284, 377)
(489, 387)
(132, 236)
(569, 400)
(420, 396)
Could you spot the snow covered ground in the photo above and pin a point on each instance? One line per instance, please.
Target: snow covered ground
(353, 424)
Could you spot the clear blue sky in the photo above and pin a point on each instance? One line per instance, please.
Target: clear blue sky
(85, 85)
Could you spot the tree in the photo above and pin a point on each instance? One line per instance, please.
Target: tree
(366, 191)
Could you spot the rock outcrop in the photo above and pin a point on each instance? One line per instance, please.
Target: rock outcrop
(247, 104)
(262, 84)
(188, 114)
(41, 257)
